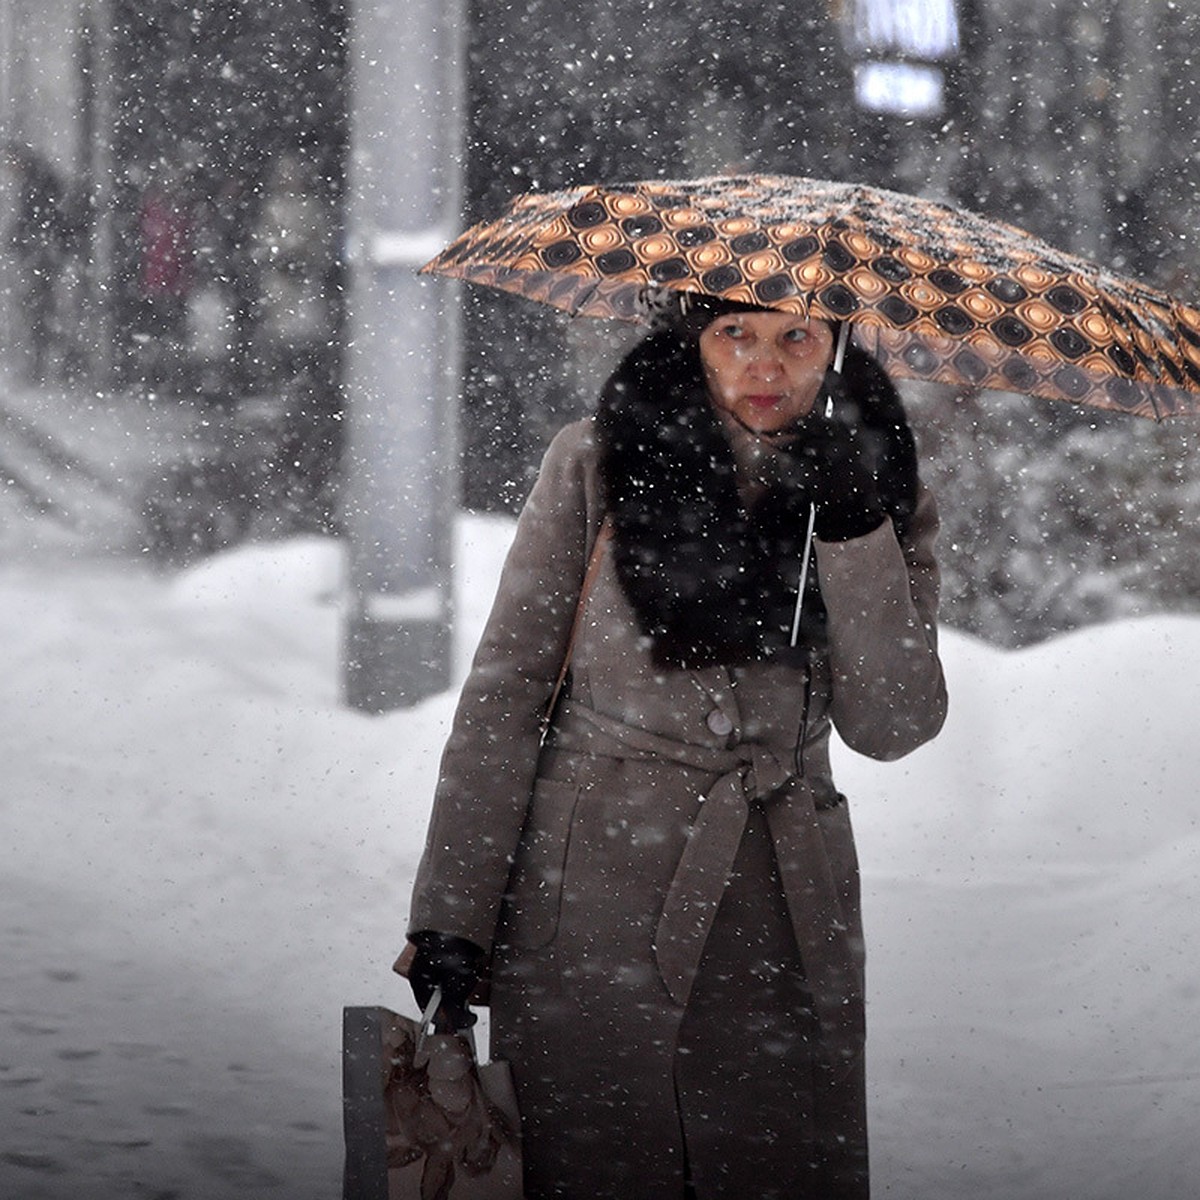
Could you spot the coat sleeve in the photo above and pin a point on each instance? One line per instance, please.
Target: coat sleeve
(881, 594)
(490, 760)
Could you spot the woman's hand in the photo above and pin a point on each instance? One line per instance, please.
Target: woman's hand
(450, 963)
(839, 471)
(859, 464)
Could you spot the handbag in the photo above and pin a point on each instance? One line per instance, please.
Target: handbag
(423, 1119)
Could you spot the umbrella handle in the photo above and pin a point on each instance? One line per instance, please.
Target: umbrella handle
(808, 539)
(839, 355)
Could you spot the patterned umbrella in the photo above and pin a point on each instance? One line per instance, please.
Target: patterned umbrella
(935, 292)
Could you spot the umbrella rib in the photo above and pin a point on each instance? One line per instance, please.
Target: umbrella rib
(582, 298)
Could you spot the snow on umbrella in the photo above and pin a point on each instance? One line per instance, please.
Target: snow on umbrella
(934, 292)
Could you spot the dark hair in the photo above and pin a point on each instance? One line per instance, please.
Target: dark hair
(692, 313)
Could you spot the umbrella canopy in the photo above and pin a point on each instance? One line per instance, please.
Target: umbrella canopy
(933, 291)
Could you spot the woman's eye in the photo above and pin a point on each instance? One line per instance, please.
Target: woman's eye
(733, 330)
(796, 335)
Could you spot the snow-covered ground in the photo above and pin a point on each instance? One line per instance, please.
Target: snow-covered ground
(205, 857)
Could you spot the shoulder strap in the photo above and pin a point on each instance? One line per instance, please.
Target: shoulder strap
(589, 578)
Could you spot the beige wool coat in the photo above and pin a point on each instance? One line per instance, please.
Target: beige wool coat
(669, 890)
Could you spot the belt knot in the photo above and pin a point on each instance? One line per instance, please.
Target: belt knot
(764, 774)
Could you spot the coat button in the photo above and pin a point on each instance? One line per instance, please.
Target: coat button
(719, 723)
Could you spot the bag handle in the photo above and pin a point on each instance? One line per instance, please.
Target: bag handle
(428, 1014)
(428, 1026)
(589, 579)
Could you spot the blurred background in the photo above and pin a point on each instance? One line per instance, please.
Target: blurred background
(254, 473)
(195, 194)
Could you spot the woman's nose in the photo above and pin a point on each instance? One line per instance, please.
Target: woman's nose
(764, 363)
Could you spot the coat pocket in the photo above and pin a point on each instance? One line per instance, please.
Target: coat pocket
(536, 882)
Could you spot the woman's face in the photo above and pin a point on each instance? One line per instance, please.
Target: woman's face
(765, 368)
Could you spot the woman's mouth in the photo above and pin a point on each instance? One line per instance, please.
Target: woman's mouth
(764, 399)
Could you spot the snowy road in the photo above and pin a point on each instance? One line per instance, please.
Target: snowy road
(145, 929)
(123, 1077)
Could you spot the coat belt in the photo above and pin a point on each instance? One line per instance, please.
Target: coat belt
(747, 774)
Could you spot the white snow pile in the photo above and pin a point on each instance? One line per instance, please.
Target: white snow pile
(205, 857)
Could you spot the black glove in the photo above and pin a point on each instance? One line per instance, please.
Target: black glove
(452, 964)
(838, 469)
(859, 464)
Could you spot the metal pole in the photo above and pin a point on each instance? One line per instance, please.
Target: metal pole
(100, 305)
(402, 378)
(9, 129)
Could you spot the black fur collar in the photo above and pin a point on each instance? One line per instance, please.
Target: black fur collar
(708, 582)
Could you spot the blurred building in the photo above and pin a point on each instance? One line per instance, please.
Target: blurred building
(49, 108)
(201, 149)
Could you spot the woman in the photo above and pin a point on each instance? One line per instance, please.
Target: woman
(667, 892)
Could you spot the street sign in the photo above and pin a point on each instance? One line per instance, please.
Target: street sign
(899, 48)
